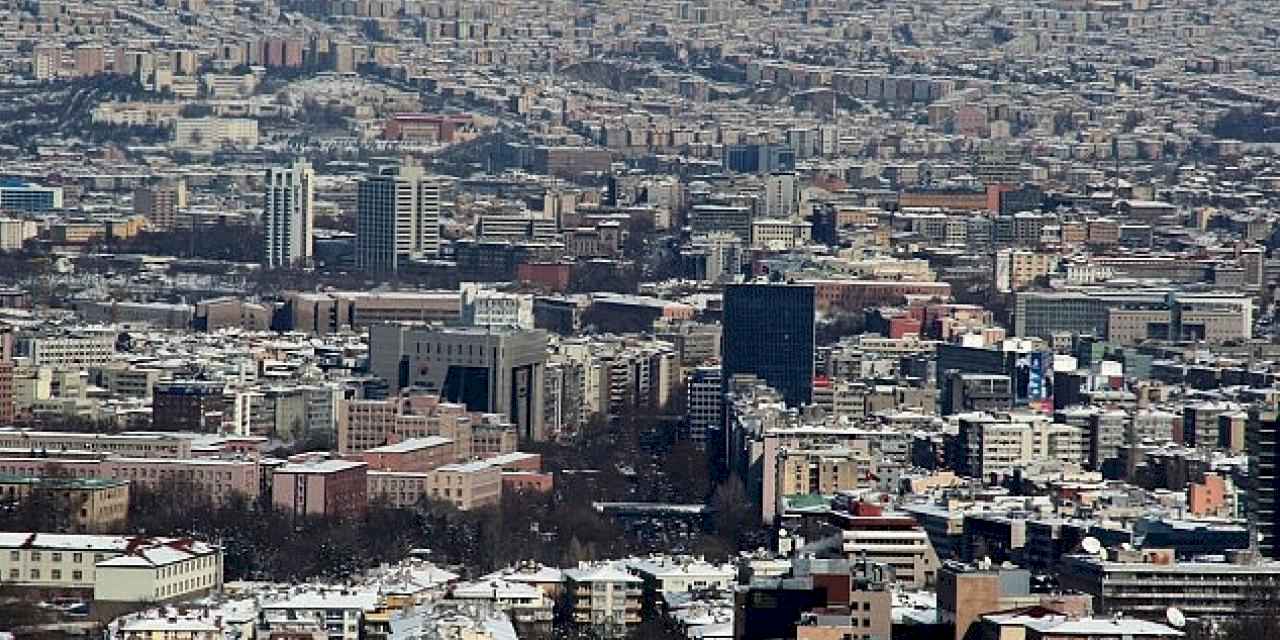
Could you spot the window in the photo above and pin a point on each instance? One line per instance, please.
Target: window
(56, 574)
(77, 557)
(35, 574)
(14, 574)
(14, 555)
(77, 575)
(57, 557)
(35, 556)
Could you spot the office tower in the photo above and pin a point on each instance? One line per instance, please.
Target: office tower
(488, 370)
(288, 216)
(768, 332)
(398, 219)
(1262, 440)
(781, 196)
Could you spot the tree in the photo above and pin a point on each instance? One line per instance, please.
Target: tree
(733, 515)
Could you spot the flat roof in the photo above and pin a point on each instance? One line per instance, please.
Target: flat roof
(412, 444)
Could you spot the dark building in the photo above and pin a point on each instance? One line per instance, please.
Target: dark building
(771, 609)
(759, 158)
(1261, 441)
(1026, 198)
(768, 332)
(195, 406)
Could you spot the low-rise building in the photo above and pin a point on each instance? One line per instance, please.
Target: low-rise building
(110, 568)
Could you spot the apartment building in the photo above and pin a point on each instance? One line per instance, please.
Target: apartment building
(999, 445)
(604, 598)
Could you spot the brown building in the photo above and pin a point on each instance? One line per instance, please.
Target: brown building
(571, 161)
(853, 296)
(331, 488)
(160, 203)
(189, 405)
(962, 200)
(335, 311)
(90, 505)
(553, 276)
(966, 593)
(221, 313)
(416, 454)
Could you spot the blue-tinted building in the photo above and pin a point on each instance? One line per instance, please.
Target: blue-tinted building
(18, 195)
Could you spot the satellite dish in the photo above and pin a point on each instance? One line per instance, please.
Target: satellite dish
(1091, 545)
(1175, 617)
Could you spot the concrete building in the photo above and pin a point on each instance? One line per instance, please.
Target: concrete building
(398, 219)
(214, 133)
(483, 307)
(93, 505)
(160, 203)
(488, 370)
(1144, 583)
(335, 311)
(288, 216)
(82, 349)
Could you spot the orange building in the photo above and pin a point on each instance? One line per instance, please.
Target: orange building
(1208, 498)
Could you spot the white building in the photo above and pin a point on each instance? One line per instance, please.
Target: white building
(780, 234)
(605, 598)
(664, 574)
(485, 307)
(340, 615)
(14, 233)
(83, 349)
(112, 568)
(211, 133)
(288, 216)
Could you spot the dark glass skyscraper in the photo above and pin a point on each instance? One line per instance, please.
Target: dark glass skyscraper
(768, 332)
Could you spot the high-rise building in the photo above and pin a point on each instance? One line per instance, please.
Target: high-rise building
(160, 203)
(288, 215)
(398, 219)
(1262, 442)
(768, 332)
(781, 196)
(492, 370)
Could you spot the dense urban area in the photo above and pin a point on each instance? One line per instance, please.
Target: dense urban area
(662, 320)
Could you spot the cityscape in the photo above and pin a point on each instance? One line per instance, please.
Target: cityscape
(667, 320)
